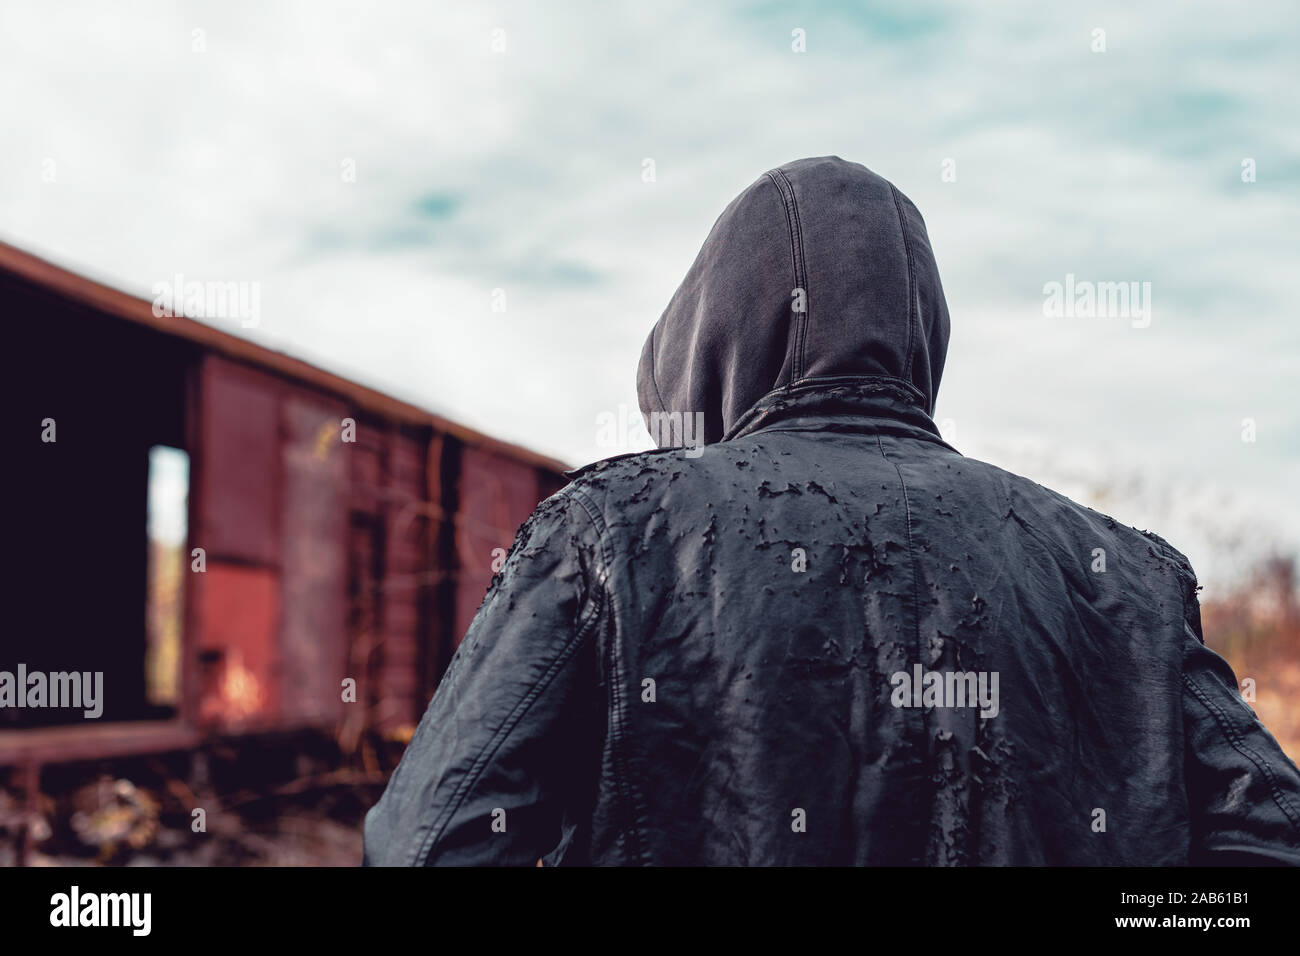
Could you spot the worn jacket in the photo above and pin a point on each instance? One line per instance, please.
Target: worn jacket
(815, 632)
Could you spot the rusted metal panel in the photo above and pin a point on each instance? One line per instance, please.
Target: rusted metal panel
(240, 664)
(313, 577)
(406, 465)
(496, 495)
(367, 477)
(441, 490)
(240, 454)
(192, 628)
(364, 606)
(549, 482)
(407, 575)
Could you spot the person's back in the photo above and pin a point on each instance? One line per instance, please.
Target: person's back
(818, 634)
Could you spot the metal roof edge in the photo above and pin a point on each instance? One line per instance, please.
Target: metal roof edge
(109, 301)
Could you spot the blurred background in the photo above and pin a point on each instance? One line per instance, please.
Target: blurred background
(320, 299)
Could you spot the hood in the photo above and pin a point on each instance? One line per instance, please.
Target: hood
(820, 269)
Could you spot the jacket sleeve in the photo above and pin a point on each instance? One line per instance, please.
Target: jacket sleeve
(1243, 790)
(505, 742)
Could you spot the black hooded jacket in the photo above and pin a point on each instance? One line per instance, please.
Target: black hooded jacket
(822, 635)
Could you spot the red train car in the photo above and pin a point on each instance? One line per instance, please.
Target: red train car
(231, 537)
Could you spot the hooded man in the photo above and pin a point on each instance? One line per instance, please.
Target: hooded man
(826, 637)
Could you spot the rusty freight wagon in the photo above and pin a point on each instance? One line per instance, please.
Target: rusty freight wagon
(225, 533)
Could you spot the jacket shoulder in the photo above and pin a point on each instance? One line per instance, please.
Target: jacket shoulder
(615, 463)
(623, 487)
(1052, 503)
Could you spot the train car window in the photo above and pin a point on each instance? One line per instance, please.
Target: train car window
(167, 524)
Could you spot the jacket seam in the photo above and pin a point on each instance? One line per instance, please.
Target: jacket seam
(818, 383)
(628, 792)
(803, 270)
(911, 552)
(1238, 743)
(1182, 592)
(1186, 578)
(821, 429)
(913, 315)
(783, 186)
(512, 721)
(654, 377)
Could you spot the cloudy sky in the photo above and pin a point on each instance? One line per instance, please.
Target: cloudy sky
(379, 169)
